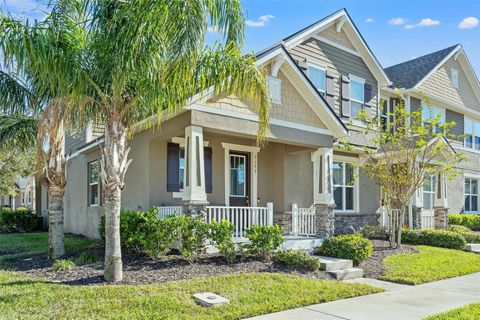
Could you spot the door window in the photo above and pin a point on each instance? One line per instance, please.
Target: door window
(237, 175)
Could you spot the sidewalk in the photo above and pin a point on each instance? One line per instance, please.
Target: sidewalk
(412, 302)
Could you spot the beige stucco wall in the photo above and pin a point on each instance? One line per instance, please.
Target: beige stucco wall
(439, 84)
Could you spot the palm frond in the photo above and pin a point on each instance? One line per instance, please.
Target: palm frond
(18, 132)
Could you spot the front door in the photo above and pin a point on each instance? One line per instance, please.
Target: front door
(239, 179)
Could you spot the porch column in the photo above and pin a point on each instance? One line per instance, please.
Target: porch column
(417, 208)
(194, 195)
(323, 200)
(440, 206)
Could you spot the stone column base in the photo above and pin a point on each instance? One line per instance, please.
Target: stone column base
(325, 220)
(440, 218)
(417, 217)
(196, 209)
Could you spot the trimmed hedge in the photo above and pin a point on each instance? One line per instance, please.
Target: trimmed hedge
(434, 238)
(347, 246)
(469, 235)
(374, 232)
(471, 221)
(297, 260)
(20, 220)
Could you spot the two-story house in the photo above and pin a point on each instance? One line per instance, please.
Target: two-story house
(319, 79)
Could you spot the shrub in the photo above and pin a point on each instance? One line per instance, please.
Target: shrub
(434, 238)
(469, 235)
(63, 265)
(20, 220)
(297, 260)
(458, 229)
(195, 234)
(471, 221)
(374, 232)
(347, 246)
(264, 240)
(87, 258)
(221, 235)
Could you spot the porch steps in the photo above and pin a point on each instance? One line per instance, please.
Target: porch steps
(301, 243)
(473, 247)
(341, 269)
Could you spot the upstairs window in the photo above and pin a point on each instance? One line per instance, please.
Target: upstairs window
(472, 134)
(94, 183)
(318, 77)
(429, 113)
(471, 195)
(454, 77)
(357, 95)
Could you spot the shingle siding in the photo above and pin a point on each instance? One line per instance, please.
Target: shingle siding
(458, 129)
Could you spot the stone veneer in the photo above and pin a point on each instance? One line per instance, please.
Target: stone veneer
(345, 221)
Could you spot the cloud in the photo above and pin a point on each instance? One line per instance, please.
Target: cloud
(261, 22)
(397, 21)
(426, 22)
(468, 23)
(370, 20)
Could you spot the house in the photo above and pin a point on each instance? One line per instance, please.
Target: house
(206, 158)
(26, 196)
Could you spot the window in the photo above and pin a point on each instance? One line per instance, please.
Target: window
(357, 98)
(29, 196)
(429, 113)
(318, 77)
(343, 186)
(22, 197)
(472, 134)
(181, 167)
(471, 195)
(93, 183)
(454, 77)
(429, 192)
(237, 175)
(275, 89)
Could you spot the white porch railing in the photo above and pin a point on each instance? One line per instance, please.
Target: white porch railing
(242, 217)
(303, 221)
(427, 219)
(169, 211)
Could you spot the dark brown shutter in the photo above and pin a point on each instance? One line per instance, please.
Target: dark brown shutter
(173, 163)
(207, 153)
(330, 90)
(345, 96)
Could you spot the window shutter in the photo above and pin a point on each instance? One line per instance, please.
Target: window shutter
(173, 159)
(345, 96)
(207, 153)
(330, 90)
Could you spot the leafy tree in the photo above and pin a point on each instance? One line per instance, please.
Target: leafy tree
(37, 86)
(402, 153)
(145, 60)
(13, 165)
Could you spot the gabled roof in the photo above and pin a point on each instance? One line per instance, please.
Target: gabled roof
(343, 19)
(409, 73)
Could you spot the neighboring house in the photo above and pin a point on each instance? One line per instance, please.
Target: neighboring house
(26, 196)
(319, 79)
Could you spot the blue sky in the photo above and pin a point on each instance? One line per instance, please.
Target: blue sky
(395, 30)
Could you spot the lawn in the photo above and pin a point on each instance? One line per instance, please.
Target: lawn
(24, 245)
(250, 295)
(429, 264)
(469, 312)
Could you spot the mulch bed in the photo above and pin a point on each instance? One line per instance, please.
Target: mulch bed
(139, 269)
(373, 266)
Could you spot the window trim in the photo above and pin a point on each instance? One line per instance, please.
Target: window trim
(90, 184)
(473, 134)
(356, 190)
(471, 177)
(316, 66)
(360, 80)
(29, 197)
(432, 192)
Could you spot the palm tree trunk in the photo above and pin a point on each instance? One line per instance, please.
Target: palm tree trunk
(56, 248)
(114, 165)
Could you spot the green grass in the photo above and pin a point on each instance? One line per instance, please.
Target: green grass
(469, 312)
(24, 245)
(429, 264)
(250, 295)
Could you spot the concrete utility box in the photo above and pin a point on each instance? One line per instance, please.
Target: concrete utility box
(210, 299)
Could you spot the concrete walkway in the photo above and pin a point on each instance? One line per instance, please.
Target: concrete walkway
(409, 302)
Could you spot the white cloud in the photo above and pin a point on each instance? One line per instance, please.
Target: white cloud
(397, 21)
(426, 22)
(260, 22)
(468, 23)
(370, 20)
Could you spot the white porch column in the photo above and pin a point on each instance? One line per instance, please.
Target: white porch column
(194, 177)
(323, 200)
(323, 176)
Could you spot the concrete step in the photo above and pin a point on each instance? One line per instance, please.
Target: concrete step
(301, 243)
(346, 274)
(331, 264)
(474, 247)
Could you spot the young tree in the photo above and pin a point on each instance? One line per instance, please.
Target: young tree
(37, 86)
(400, 154)
(146, 59)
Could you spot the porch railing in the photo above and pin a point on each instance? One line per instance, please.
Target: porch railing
(303, 221)
(169, 211)
(427, 219)
(242, 217)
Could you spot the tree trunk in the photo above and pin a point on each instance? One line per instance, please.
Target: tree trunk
(113, 168)
(56, 247)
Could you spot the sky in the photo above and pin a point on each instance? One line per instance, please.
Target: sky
(395, 30)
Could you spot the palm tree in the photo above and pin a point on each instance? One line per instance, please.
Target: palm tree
(147, 58)
(37, 87)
